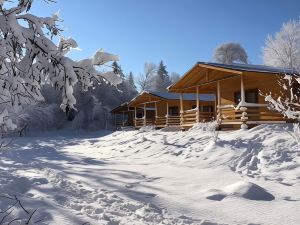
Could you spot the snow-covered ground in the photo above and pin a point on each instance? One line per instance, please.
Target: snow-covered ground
(154, 177)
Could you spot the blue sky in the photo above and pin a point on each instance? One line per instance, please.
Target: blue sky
(180, 32)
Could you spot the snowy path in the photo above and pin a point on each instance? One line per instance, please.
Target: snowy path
(138, 177)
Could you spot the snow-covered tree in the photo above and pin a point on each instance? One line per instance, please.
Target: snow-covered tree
(174, 77)
(131, 80)
(117, 69)
(283, 49)
(162, 78)
(229, 53)
(29, 56)
(146, 80)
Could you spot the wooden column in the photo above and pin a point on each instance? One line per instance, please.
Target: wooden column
(243, 109)
(218, 102)
(123, 118)
(156, 115)
(181, 109)
(135, 116)
(167, 115)
(197, 106)
(145, 113)
(243, 99)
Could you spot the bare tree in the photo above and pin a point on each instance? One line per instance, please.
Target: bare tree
(229, 53)
(146, 80)
(283, 49)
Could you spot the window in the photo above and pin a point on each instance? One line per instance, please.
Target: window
(251, 96)
(208, 108)
(173, 111)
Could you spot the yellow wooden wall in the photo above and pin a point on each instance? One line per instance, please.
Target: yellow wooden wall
(265, 83)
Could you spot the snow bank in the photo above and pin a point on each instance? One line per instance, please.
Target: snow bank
(240, 189)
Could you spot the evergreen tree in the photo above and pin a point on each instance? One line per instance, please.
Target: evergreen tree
(131, 80)
(117, 69)
(162, 78)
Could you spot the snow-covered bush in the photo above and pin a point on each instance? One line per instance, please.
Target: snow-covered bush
(40, 117)
(29, 58)
(287, 102)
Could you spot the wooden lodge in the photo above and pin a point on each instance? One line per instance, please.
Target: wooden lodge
(163, 109)
(123, 116)
(237, 88)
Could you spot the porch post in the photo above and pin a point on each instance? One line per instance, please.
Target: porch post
(242, 90)
(243, 109)
(197, 106)
(167, 115)
(156, 115)
(123, 118)
(135, 116)
(181, 109)
(218, 102)
(145, 112)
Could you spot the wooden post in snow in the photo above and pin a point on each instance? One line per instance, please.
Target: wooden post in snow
(197, 106)
(145, 113)
(181, 109)
(218, 102)
(167, 115)
(243, 109)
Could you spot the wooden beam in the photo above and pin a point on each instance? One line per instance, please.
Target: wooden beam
(218, 99)
(181, 108)
(243, 99)
(197, 106)
(145, 113)
(167, 116)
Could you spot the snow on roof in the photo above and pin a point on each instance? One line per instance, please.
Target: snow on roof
(253, 68)
(187, 97)
(123, 105)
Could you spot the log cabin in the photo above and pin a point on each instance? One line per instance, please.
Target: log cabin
(123, 115)
(162, 109)
(238, 90)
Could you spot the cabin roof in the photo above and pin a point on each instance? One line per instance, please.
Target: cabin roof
(186, 97)
(120, 108)
(156, 95)
(199, 73)
(252, 68)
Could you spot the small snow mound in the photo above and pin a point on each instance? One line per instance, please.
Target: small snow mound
(240, 189)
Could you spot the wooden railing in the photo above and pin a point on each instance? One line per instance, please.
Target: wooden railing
(139, 122)
(190, 117)
(160, 121)
(249, 115)
(173, 120)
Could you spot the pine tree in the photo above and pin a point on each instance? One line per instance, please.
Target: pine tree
(131, 80)
(162, 78)
(117, 69)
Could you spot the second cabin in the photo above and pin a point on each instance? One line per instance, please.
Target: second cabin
(164, 109)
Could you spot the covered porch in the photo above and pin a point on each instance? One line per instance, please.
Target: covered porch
(238, 103)
(123, 115)
(169, 109)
